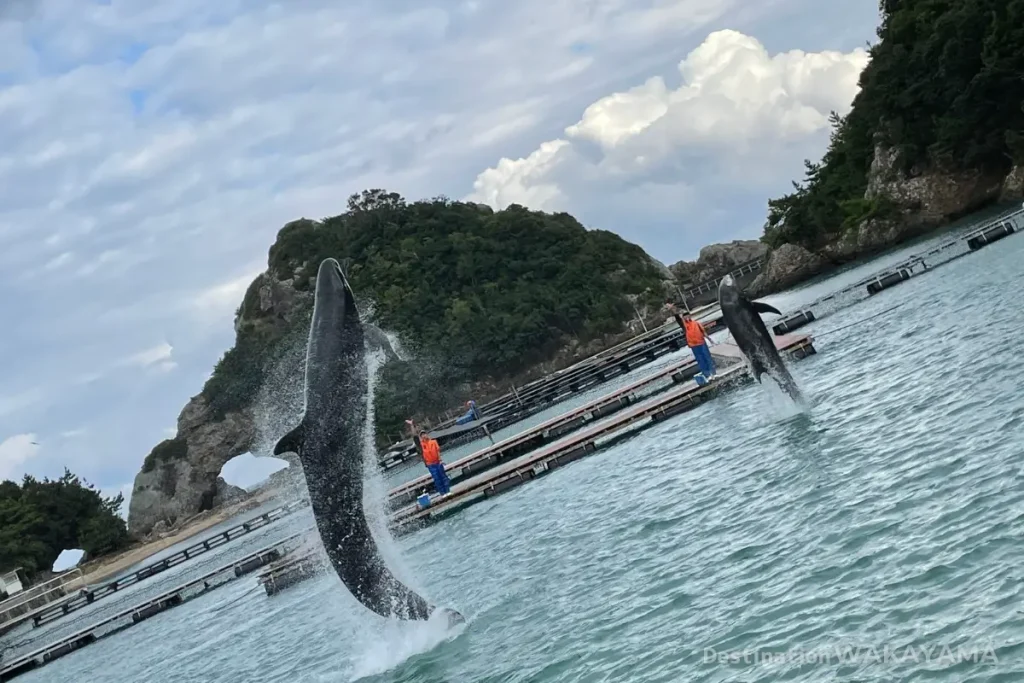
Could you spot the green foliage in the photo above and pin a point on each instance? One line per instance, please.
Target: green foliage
(167, 450)
(943, 90)
(413, 390)
(40, 519)
(490, 293)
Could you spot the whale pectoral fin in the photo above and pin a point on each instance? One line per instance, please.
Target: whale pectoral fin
(762, 307)
(292, 441)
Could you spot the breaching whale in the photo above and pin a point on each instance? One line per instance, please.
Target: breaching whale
(330, 441)
(741, 316)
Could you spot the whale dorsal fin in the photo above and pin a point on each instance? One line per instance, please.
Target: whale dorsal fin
(292, 441)
(762, 307)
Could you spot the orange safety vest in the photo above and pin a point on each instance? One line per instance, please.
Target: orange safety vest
(694, 332)
(431, 451)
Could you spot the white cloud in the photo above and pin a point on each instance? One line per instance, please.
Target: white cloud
(160, 353)
(150, 152)
(157, 358)
(15, 451)
(738, 115)
(522, 181)
(13, 403)
(220, 301)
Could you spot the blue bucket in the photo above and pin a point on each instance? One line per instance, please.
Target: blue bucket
(424, 501)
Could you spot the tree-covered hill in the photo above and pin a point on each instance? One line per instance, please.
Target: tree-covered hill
(943, 92)
(471, 292)
(40, 519)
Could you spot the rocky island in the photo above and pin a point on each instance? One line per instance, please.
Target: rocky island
(476, 296)
(480, 298)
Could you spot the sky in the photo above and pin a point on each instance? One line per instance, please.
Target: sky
(150, 152)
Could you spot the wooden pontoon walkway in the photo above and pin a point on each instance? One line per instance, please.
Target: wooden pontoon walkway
(558, 386)
(142, 611)
(584, 442)
(549, 430)
(89, 595)
(291, 570)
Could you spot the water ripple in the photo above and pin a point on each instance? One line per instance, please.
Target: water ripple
(888, 516)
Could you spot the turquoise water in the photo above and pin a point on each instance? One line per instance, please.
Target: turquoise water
(888, 515)
(787, 302)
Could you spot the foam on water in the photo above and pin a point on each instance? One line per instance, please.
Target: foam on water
(780, 404)
(396, 642)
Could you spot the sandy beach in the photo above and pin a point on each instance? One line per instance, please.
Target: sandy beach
(108, 566)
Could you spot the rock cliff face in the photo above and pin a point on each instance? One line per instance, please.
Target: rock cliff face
(181, 476)
(787, 266)
(187, 479)
(717, 259)
(922, 200)
(1013, 185)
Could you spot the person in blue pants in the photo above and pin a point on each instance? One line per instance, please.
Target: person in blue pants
(432, 459)
(696, 339)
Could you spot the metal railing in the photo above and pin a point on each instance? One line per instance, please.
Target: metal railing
(712, 283)
(40, 594)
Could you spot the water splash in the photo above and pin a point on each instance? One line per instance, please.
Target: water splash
(279, 407)
(375, 490)
(397, 345)
(397, 642)
(781, 404)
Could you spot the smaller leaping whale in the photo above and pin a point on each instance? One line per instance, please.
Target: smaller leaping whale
(330, 441)
(741, 316)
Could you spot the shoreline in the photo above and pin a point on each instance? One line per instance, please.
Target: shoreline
(107, 566)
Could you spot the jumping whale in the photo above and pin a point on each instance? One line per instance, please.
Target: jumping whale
(330, 442)
(741, 316)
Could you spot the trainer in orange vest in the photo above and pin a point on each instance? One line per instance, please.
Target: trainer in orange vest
(696, 339)
(431, 451)
(695, 332)
(432, 459)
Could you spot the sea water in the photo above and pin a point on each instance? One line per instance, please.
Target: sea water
(874, 536)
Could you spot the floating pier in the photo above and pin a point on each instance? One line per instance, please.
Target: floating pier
(954, 248)
(18, 609)
(792, 322)
(142, 611)
(87, 596)
(548, 431)
(584, 442)
(545, 392)
(289, 571)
